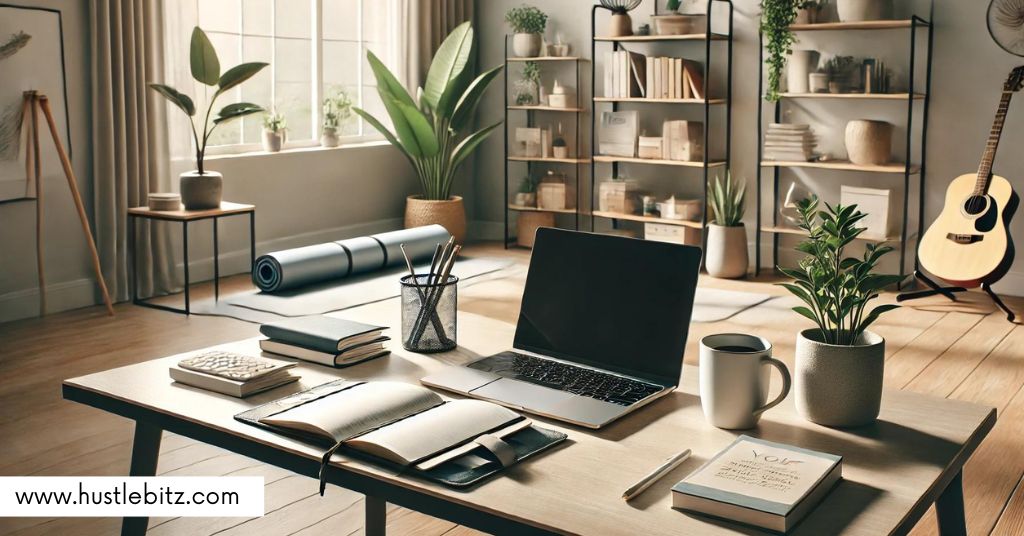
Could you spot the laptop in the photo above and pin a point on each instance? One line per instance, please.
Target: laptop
(601, 331)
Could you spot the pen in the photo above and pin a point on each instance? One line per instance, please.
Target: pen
(645, 482)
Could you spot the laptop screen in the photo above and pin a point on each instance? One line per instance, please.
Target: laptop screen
(614, 303)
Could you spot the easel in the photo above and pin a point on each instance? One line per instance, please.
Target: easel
(33, 103)
(950, 292)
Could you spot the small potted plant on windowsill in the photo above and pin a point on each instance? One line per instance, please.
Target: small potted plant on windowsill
(528, 24)
(727, 236)
(274, 132)
(336, 109)
(839, 363)
(203, 188)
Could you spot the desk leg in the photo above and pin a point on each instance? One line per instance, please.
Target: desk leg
(133, 251)
(184, 248)
(376, 516)
(216, 263)
(950, 509)
(252, 242)
(145, 450)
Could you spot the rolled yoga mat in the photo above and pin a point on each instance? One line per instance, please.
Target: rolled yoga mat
(293, 268)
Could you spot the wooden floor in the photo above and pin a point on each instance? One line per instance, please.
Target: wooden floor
(963, 351)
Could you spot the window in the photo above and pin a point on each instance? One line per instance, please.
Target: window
(315, 48)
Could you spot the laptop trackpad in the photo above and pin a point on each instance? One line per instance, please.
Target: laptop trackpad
(525, 395)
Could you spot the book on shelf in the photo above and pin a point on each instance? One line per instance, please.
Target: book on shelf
(761, 483)
(694, 74)
(618, 132)
(454, 442)
(348, 356)
(682, 140)
(785, 142)
(232, 374)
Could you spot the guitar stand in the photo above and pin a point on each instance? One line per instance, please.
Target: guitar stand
(950, 292)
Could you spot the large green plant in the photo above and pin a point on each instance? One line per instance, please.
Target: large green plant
(526, 19)
(433, 133)
(727, 201)
(836, 289)
(206, 70)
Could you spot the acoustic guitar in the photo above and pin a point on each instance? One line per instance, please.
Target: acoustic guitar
(969, 243)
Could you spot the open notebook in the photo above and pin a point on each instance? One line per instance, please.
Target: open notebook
(458, 442)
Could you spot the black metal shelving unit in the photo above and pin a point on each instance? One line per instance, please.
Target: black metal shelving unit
(912, 99)
(533, 163)
(708, 39)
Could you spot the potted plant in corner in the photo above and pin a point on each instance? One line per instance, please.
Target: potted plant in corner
(839, 363)
(727, 237)
(274, 131)
(202, 188)
(436, 134)
(337, 109)
(528, 24)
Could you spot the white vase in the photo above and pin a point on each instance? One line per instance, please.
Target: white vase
(818, 83)
(726, 251)
(200, 192)
(329, 137)
(799, 66)
(869, 143)
(839, 385)
(863, 10)
(526, 45)
(273, 141)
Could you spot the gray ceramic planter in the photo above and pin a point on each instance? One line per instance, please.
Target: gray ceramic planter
(200, 192)
(839, 385)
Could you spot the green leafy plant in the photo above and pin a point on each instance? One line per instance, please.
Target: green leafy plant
(336, 109)
(776, 17)
(673, 5)
(527, 185)
(206, 70)
(435, 135)
(274, 122)
(531, 72)
(727, 201)
(835, 288)
(526, 19)
(842, 69)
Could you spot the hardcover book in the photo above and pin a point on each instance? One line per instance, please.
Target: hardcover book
(761, 483)
(322, 333)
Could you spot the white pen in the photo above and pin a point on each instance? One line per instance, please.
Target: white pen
(645, 482)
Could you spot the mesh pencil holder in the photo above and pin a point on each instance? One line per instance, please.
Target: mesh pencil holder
(429, 313)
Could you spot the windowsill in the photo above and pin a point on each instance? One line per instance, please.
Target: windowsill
(299, 150)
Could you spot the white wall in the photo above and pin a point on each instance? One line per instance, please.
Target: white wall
(968, 72)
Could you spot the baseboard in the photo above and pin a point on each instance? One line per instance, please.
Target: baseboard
(62, 296)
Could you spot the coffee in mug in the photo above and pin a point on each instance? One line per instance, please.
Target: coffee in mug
(735, 377)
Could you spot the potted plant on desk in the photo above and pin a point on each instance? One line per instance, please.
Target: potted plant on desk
(435, 134)
(528, 24)
(727, 237)
(839, 363)
(202, 188)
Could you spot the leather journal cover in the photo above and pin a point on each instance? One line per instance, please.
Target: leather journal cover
(460, 464)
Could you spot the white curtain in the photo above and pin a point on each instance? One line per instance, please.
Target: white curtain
(130, 147)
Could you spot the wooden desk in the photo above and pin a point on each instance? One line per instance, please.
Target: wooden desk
(893, 470)
(185, 217)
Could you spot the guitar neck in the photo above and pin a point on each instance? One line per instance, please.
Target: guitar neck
(985, 169)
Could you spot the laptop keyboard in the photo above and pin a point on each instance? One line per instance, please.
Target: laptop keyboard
(564, 377)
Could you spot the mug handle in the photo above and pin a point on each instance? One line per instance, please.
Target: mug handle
(787, 381)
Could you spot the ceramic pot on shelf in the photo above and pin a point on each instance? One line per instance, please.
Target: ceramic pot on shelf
(869, 143)
(726, 255)
(450, 214)
(798, 70)
(817, 83)
(839, 385)
(329, 137)
(620, 25)
(200, 192)
(273, 141)
(526, 45)
(863, 10)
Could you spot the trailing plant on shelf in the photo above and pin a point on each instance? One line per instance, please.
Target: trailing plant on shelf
(206, 70)
(836, 288)
(526, 19)
(776, 18)
(727, 202)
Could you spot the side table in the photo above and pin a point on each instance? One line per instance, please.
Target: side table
(186, 217)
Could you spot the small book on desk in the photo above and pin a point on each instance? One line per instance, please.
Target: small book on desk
(760, 483)
(232, 374)
(457, 443)
(329, 341)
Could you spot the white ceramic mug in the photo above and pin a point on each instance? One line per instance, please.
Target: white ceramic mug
(734, 380)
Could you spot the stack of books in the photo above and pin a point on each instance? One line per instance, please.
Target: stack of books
(232, 374)
(334, 342)
(633, 75)
(786, 142)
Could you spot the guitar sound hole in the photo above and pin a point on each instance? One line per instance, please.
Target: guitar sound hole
(976, 204)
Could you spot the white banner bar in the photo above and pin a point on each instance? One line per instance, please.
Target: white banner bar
(120, 496)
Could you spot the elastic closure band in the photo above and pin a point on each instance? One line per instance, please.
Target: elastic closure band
(501, 450)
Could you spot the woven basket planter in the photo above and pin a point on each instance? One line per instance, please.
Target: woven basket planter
(450, 214)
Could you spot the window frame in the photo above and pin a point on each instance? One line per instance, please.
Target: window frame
(366, 133)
